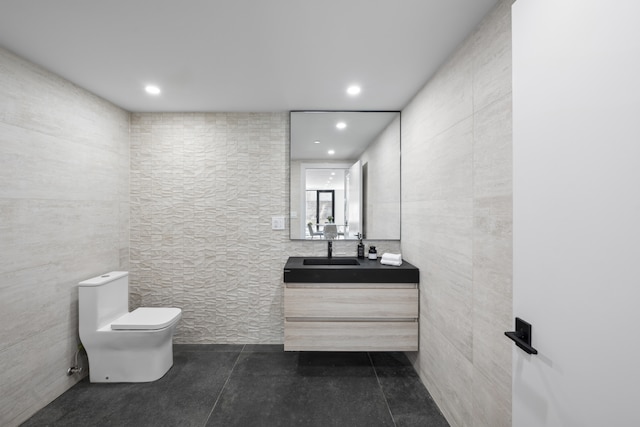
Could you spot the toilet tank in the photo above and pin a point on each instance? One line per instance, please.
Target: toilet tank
(102, 299)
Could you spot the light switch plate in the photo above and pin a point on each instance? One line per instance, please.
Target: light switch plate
(277, 223)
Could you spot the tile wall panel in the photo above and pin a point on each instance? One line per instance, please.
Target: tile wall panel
(457, 222)
(64, 208)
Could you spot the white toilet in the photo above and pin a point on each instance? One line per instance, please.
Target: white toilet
(122, 346)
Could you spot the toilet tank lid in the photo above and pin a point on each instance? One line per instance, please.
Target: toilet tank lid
(104, 278)
(148, 318)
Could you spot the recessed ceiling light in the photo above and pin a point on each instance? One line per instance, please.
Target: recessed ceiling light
(353, 90)
(331, 152)
(341, 125)
(316, 142)
(152, 89)
(333, 173)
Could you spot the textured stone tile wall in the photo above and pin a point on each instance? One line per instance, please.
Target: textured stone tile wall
(203, 190)
(457, 225)
(64, 208)
(204, 187)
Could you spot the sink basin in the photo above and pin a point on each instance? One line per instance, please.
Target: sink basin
(330, 261)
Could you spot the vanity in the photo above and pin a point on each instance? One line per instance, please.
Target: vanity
(350, 304)
(350, 178)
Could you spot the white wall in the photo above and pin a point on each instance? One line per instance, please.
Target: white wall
(456, 225)
(64, 208)
(577, 211)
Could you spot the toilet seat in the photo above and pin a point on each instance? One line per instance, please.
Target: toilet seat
(147, 318)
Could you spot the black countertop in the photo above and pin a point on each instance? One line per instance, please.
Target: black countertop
(368, 271)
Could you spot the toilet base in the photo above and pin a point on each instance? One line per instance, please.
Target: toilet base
(127, 361)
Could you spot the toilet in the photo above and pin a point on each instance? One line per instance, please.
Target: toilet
(123, 346)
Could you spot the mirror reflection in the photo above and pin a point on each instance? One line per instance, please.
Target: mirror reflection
(345, 175)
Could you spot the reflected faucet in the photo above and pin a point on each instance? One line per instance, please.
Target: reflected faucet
(330, 249)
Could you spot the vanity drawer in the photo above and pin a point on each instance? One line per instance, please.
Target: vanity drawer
(352, 303)
(351, 336)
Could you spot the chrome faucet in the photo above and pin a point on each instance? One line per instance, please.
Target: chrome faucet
(330, 249)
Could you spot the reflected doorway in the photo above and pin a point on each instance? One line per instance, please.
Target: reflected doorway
(320, 206)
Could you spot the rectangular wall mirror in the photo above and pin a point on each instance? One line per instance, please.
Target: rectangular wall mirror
(345, 175)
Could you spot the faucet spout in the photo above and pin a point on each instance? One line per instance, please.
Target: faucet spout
(330, 249)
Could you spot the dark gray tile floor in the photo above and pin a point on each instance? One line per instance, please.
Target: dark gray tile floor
(256, 385)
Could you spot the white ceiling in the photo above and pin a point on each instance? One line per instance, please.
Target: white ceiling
(242, 55)
(348, 143)
(325, 179)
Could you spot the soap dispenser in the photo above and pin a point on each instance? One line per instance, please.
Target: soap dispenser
(360, 247)
(373, 254)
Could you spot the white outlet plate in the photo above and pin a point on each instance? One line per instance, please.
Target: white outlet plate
(277, 223)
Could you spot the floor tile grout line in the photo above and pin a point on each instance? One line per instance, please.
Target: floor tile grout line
(384, 396)
(224, 386)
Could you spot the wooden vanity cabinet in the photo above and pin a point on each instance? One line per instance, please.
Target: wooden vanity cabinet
(351, 316)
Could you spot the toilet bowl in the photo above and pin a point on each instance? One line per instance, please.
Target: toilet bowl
(123, 346)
